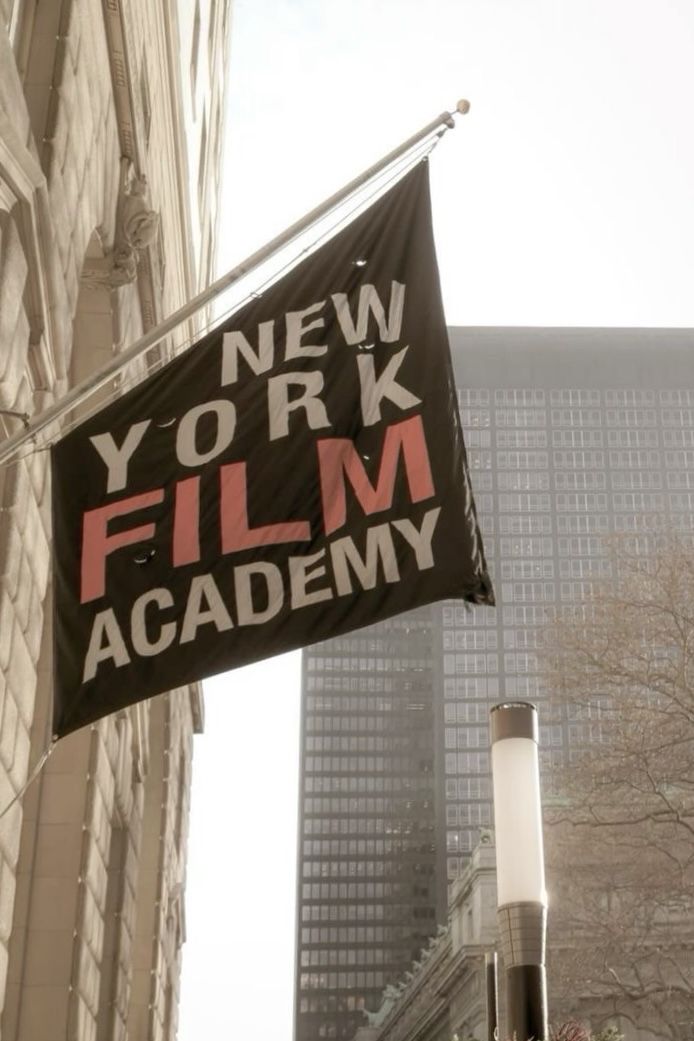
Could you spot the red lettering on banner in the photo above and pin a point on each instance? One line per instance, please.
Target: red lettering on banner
(236, 534)
(186, 527)
(338, 459)
(97, 544)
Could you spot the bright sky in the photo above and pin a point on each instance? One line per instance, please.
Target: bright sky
(565, 197)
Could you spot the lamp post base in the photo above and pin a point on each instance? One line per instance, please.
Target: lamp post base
(526, 1002)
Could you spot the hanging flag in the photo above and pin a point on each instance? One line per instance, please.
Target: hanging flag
(299, 473)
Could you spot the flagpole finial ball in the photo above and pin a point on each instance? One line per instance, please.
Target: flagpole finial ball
(463, 107)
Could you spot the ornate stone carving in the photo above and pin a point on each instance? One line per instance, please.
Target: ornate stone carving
(136, 229)
(139, 225)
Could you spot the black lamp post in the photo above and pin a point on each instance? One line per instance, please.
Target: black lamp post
(492, 996)
(522, 899)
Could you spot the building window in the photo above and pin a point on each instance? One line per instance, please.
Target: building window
(520, 396)
(629, 397)
(574, 397)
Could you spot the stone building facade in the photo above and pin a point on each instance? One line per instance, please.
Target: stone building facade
(444, 997)
(111, 115)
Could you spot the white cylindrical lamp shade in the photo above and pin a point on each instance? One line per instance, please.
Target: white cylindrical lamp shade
(517, 804)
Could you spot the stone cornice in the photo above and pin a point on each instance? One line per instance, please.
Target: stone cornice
(122, 83)
(121, 79)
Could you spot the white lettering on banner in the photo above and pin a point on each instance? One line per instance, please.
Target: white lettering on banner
(308, 385)
(296, 330)
(374, 390)
(262, 359)
(167, 632)
(420, 540)
(301, 572)
(339, 466)
(280, 405)
(204, 588)
(116, 458)
(259, 592)
(370, 302)
(105, 644)
(235, 343)
(271, 578)
(379, 547)
(186, 435)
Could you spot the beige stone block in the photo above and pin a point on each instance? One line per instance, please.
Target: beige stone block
(49, 958)
(22, 752)
(62, 219)
(22, 596)
(64, 798)
(10, 828)
(13, 324)
(71, 754)
(94, 331)
(87, 95)
(8, 731)
(39, 556)
(23, 401)
(8, 885)
(61, 138)
(105, 778)
(56, 188)
(4, 964)
(17, 493)
(38, 473)
(72, 192)
(91, 921)
(89, 978)
(34, 631)
(81, 1023)
(84, 226)
(9, 1011)
(46, 20)
(44, 1013)
(7, 619)
(68, 88)
(18, 335)
(100, 832)
(21, 675)
(54, 904)
(21, 905)
(93, 302)
(95, 875)
(59, 850)
(75, 49)
(10, 555)
(72, 273)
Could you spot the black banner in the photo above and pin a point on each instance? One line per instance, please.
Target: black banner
(297, 474)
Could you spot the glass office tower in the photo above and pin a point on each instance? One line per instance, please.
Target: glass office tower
(572, 435)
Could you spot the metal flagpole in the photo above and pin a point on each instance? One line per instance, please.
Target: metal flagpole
(88, 386)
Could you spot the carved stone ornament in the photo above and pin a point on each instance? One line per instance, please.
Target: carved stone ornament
(138, 224)
(136, 229)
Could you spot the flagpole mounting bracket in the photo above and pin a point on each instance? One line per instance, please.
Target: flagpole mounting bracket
(24, 416)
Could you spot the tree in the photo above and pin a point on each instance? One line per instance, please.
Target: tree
(620, 835)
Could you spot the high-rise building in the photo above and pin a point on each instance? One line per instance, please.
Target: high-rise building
(571, 435)
(110, 146)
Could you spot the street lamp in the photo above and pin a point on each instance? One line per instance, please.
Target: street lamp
(522, 899)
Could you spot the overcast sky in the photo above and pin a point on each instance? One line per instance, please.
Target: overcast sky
(565, 197)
